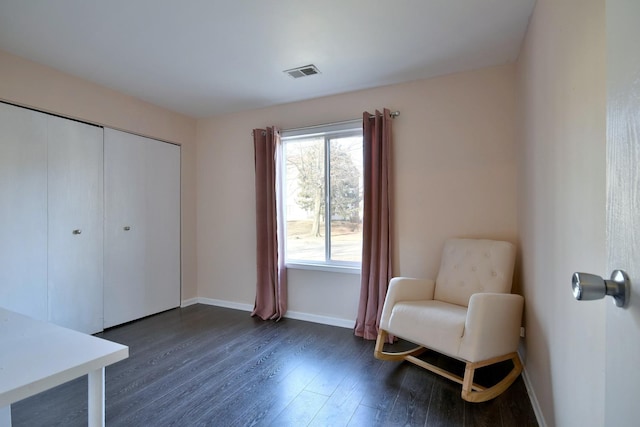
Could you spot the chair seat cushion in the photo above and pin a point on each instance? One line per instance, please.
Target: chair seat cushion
(433, 324)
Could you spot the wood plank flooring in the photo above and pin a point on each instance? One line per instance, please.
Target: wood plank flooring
(211, 366)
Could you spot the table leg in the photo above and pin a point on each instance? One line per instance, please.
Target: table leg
(5, 416)
(96, 398)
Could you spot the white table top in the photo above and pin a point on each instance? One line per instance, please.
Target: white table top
(36, 355)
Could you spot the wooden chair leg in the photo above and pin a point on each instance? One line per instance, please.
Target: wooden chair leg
(378, 353)
(380, 340)
(470, 395)
(471, 392)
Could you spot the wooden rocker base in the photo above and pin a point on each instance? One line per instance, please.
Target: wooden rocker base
(471, 392)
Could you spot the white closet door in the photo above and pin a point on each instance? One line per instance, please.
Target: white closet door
(163, 226)
(125, 227)
(75, 249)
(142, 227)
(23, 211)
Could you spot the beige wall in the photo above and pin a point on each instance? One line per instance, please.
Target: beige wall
(455, 169)
(561, 80)
(29, 84)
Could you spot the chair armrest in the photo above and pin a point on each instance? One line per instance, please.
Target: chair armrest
(492, 326)
(405, 289)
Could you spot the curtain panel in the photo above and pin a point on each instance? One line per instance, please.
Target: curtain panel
(376, 231)
(271, 285)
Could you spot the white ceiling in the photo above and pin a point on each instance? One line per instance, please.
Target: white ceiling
(209, 57)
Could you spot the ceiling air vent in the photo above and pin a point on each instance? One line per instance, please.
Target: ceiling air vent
(304, 71)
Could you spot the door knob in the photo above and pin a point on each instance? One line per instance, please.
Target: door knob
(588, 287)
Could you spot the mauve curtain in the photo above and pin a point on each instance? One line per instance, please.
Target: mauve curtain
(271, 286)
(376, 230)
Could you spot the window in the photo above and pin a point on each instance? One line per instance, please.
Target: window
(323, 189)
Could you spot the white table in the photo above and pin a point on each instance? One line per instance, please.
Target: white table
(36, 356)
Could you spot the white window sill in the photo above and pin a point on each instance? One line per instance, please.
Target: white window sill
(324, 267)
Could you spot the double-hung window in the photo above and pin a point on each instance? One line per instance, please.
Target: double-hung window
(323, 195)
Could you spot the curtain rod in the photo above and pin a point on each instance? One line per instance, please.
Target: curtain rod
(392, 114)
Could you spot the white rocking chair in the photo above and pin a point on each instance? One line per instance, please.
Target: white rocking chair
(468, 313)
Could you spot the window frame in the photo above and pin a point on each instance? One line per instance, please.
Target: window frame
(329, 132)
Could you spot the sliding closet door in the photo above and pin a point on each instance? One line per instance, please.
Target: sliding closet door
(142, 227)
(23, 211)
(75, 248)
(163, 226)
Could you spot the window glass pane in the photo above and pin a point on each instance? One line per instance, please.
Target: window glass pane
(346, 181)
(323, 193)
(304, 199)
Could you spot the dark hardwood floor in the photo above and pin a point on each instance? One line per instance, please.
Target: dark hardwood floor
(211, 366)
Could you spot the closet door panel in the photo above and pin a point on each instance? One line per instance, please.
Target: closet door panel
(142, 227)
(163, 226)
(23, 211)
(125, 228)
(75, 247)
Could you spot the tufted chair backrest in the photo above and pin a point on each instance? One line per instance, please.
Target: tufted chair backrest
(471, 266)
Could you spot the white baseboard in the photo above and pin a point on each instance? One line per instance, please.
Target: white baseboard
(325, 320)
(223, 303)
(532, 396)
(188, 302)
(308, 317)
